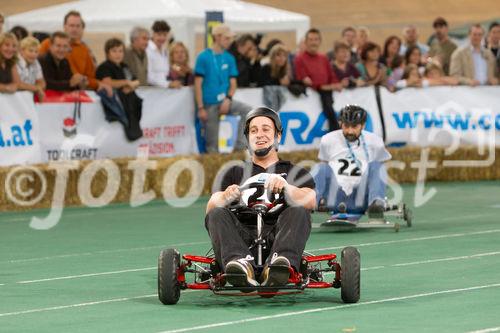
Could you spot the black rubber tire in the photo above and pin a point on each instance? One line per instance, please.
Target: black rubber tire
(408, 216)
(350, 275)
(169, 290)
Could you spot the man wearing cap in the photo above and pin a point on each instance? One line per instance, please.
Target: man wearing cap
(285, 234)
(351, 177)
(215, 85)
(442, 47)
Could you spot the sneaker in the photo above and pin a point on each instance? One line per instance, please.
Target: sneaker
(376, 210)
(276, 273)
(240, 273)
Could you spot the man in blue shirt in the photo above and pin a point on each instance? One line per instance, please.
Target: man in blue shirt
(215, 85)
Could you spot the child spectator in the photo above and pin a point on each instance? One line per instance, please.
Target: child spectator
(30, 71)
(125, 106)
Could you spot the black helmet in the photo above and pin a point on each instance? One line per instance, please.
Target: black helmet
(263, 112)
(353, 115)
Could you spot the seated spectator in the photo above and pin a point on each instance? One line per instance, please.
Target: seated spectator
(79, 55)
(371, 70)
(442, 47)
(9, 77)
(56, 68)
(343, 68)
(414, 56)
(157, 52)
(410, 38)
(135, 55)
(391, 52)
(244, 51)
(30, 71)
(315, 71)
(115, 73)
(274, 77)
(179, 65)
(20, 32)
(473, 64)
(436, 77)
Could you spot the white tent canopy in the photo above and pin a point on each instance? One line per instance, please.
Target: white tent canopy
(186, 17)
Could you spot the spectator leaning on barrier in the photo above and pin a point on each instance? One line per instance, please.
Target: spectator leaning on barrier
(116, 74)
(56, 68)
(391, 52)
(343, 68)
(157, 51)
(413, 56)
(274, 77)
(215, 85)
(9, 77)
(348, 37)
(79, 55)
(243, 49)
(135, 55)
(371, 70)
(473, 64)
(315, 71)
(179, 64)
(442, 47)
(30, 71)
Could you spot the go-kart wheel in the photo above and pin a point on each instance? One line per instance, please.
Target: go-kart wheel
(169, 289)
(350, 274)
(408, 216)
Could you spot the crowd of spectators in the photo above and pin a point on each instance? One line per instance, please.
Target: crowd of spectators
(64, 62)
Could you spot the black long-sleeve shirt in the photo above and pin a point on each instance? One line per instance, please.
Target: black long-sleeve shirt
(57, 75)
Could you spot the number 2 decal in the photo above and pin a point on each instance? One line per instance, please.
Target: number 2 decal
(356, 172)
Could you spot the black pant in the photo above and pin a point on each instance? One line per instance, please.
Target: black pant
(231, 239)
(327, 105)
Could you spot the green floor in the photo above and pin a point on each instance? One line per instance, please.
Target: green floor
(96, 272)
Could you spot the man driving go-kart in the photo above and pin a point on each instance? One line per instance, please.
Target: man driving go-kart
(284, 232)
(352, 177)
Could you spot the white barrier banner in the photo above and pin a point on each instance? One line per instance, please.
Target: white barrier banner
(442, 116)
(303, 121)
(19, 129)
(167, 118)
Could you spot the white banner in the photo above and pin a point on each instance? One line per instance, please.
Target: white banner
(19, 129)
(167, 124)
(302, 117)
(442, 116)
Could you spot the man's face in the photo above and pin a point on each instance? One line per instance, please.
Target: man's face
(349, 37)
(261, 133)
(494, 35)
(313, 42)
(476, 36)
(246, 48)
(160, 38)
(141, 42)
(74, 27)
(441, 31)
(411, 35)
(59, 48)
(352, 132)
(223, 40)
